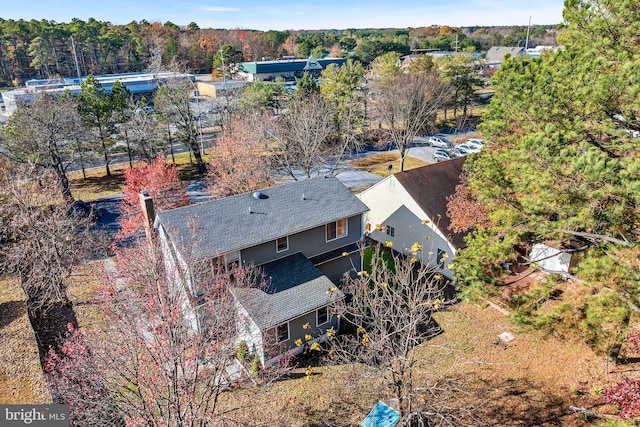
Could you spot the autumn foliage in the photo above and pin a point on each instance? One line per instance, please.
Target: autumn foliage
(626, 394)
(236, 163)
(465, 210)
(147, 364)
(161, 180)
(75, 378)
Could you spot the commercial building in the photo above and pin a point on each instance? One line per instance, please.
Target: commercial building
(136, 83)
(286, 68)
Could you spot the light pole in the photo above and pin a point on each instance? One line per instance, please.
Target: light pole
(196, 93)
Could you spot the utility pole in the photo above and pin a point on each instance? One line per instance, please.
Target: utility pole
(75, 56)
(224, 74)
(526, 43)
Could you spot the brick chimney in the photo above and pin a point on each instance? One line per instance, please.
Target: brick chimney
(148, 213)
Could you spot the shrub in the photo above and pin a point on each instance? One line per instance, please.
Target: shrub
(255, 366)
(242, 351)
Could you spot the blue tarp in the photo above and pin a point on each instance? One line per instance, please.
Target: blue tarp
(381, 416)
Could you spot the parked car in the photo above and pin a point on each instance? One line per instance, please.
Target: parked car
(454, 152)
(476, 142)
(439, 141)
(441, 156)
(468, 148)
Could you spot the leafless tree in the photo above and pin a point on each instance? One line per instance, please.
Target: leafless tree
(40, 239)
(407, 104)
(387, 314)
(144, 133)
(43, 133)
(300, 137)
(158, 367)
(173, 103)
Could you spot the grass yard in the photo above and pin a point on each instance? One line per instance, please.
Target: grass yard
(378, 163)
(21, 377)
(97, 185)
(530, 381)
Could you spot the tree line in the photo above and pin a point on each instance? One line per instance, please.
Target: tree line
(48, 49)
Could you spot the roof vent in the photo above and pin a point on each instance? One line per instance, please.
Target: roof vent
(259, 195)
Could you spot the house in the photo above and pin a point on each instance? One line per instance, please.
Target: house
(411, 207)
(287, 69)
(303, 235)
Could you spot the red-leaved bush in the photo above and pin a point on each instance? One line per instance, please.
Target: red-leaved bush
(464, 209)
(161, 180)
(626, 396)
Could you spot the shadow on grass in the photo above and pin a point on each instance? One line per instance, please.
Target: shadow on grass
(10, 311)
(98, 184)
(189, 172)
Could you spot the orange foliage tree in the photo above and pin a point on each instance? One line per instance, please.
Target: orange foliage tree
(161, 180)
(464, 210)
(236, 163)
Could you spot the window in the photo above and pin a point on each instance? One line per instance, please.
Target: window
(322, 316)
(336, 230)
(391, 231)
(282, 332)
(282, 244)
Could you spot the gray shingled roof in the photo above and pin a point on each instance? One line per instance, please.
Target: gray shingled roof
(429, 186)
(497, 53)
(296, 287)
(242, 221)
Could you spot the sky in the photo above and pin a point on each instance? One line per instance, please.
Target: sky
(294, 15)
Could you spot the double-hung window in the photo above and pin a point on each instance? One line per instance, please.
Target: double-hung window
(322, 316)
(282, 332)
(391, 231)
(282, 244)
(336, 230)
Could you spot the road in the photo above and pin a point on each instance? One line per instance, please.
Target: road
(119, 158)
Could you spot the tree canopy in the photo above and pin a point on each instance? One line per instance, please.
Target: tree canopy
(564, 166)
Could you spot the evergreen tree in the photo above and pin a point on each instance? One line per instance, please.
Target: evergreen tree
(564, 166)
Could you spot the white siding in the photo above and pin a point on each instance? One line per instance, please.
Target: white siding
(391, 205)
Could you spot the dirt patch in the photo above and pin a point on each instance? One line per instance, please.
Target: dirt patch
(531, 380)
(21, 377)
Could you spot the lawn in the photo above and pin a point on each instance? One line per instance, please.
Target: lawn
(378, 163)
(97, 185)
(530, 381)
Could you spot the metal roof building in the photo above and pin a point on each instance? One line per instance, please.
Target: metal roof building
(136, 83)
(285, 68)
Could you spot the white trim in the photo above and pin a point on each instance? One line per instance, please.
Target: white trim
(285, 249)
(278, 340)
(326, 309)
(346, 230)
